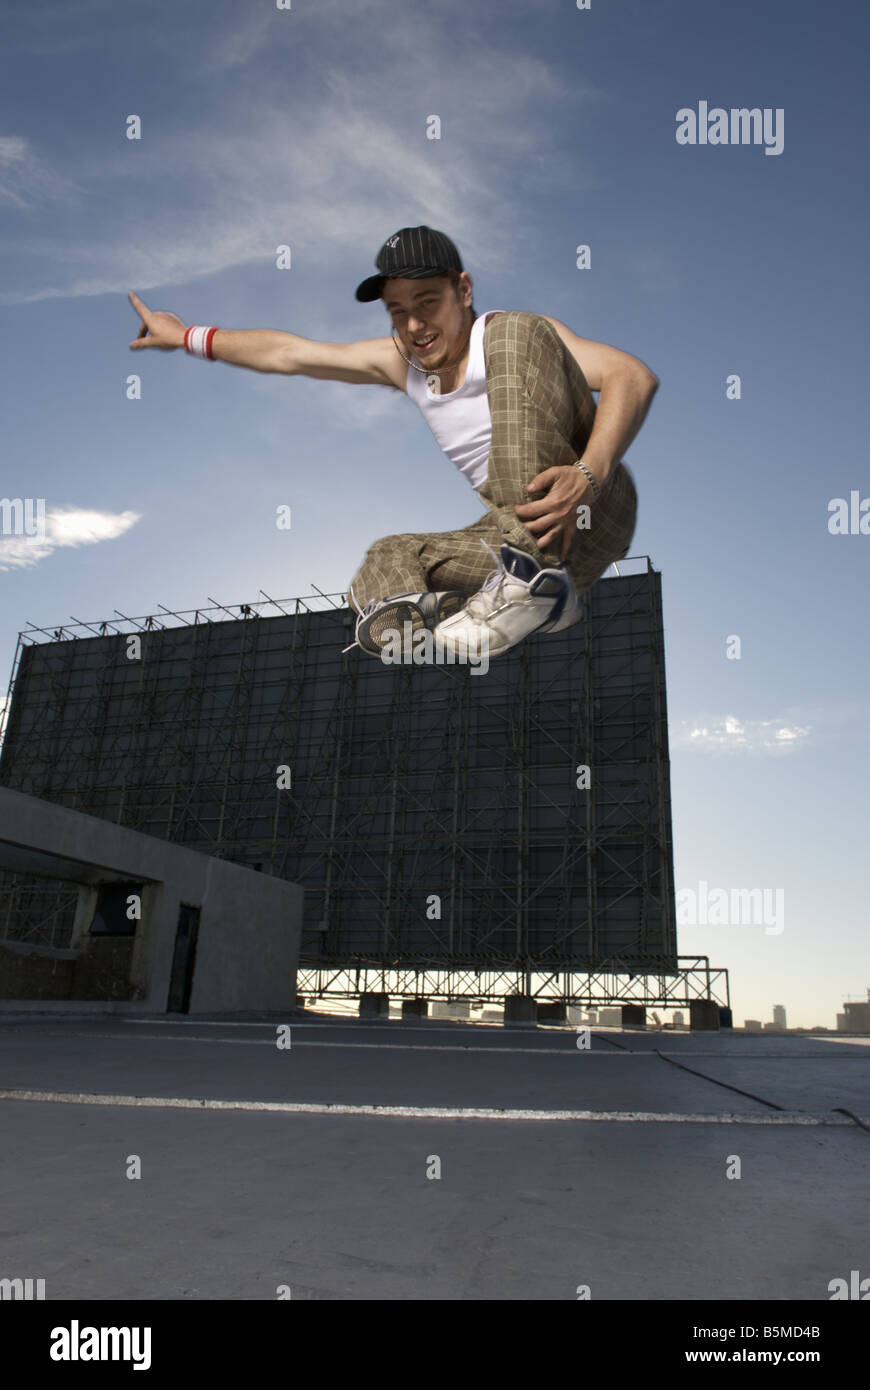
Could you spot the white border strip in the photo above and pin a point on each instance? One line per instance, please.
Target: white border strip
(568, 1049)
(470, 1049)
(413, 1112)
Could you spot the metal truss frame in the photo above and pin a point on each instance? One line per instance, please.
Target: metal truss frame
(612, 983)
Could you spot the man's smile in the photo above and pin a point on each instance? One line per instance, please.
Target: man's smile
(425, 342)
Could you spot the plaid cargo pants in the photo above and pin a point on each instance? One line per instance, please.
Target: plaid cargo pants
(542, 414)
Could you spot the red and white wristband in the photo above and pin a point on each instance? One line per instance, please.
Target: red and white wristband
(197, 341)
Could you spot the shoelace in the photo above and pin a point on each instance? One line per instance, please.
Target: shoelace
(487, 598)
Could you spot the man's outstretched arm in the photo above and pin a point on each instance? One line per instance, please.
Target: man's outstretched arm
(367, 362)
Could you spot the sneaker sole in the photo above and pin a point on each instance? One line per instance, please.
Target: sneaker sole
(392, 619)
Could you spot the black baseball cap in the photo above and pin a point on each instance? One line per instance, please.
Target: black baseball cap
(414, 253)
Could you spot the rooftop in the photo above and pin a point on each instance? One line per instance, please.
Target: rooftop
(307, 1165)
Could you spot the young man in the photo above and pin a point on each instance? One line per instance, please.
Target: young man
(508, 396)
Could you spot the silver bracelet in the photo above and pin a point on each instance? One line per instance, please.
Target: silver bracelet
(595, 488)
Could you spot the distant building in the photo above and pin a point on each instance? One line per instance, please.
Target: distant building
(579, 1017)
(857, 1017)
(609, 1018)
(771, 1028)
(842, 1023)
(752, 1025)
(779, 1016)
(678, 1019)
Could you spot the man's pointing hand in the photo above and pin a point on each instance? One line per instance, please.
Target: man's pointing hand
(160, 330)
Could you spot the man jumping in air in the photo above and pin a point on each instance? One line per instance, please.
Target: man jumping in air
(508, 396)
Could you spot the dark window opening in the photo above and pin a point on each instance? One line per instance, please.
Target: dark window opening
(110, 917)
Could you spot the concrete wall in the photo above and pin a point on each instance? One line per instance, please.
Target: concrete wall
(249, 934)
(35, 972)
(250, 923)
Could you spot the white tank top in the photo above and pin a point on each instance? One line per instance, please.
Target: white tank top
(460, 419)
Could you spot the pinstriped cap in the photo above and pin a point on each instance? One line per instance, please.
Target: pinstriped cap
(411, 254)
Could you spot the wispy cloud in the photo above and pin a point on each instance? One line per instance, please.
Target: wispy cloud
(359, 409)
(236, 45)
(728, 734)
(326, 164)
(26, 181)
(70, 526)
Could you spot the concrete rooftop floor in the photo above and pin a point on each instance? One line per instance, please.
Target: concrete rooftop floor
(263, 1167)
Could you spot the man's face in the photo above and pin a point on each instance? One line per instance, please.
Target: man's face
(429, 309)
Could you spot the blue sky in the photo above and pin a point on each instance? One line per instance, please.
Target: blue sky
(307, 127)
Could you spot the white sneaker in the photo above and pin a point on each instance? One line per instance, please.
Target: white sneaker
(388, 615)
(517, 599)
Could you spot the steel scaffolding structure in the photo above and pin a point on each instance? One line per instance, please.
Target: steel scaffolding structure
(433, 815)
(694, 979)
(36, 912)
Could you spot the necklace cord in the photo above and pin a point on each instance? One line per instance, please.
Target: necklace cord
(426, 370)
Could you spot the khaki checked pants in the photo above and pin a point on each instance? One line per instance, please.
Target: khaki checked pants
(542, 414)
